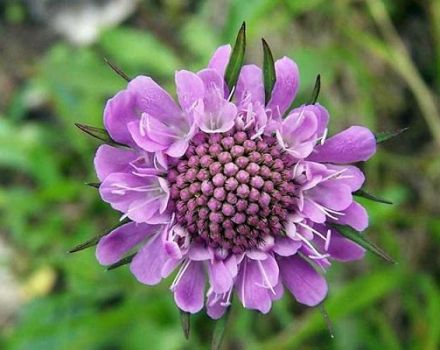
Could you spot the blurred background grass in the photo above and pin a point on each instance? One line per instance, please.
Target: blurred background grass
(380, 66)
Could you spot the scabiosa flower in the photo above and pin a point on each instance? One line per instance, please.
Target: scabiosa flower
(229, 187)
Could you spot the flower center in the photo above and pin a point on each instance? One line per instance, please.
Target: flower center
(230, 191)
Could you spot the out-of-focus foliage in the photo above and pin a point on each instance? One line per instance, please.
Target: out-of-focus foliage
(379, 64)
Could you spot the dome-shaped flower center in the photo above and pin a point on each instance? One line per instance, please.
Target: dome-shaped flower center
(230, 191)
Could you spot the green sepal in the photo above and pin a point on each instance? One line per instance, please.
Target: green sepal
(98, 133)
(117, 70)
(269, 75)
(371, 197)
(185, 322)
(94, 241)
(237, 58)
(387, 135)
(316, 90)
(122, 262)
(93, 184)
(361, 240)
(219, 330)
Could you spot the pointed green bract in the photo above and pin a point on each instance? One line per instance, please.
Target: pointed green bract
(237, 58)
(185, 321)
(98, 133)
(360, 239)
(93, 184)
(269, 75)
(122, 262)
(316, 90)
(219, 330)
(117, 70)
(372, 197)
(94, 241)
(387, 135)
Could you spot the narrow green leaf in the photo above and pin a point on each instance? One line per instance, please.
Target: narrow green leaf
(372, 197)
(94, 241)
(219, 330)
(386, 135)
(237, 58)
(99, 133)
(117, 70)
(93, 184)
(316, 90)
(269, 75)
(360, 239)
(121, 262)
(185, 321)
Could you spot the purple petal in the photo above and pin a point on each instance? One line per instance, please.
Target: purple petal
(351, 145)
(352, 176)
(250, 83)
(110, 159)
(190, 88)
(355, 216)
(152, 99)
(323, 118)
(331, 194)
(342, 249)
(215, 306)
(285, 246)
(286, 86)
(148, 262)
(119, 111)
(307, 286)
(142, 140)
(212, 80)
(188, 293)
(216, 115)
(113, 246)
(220, 59)
(220, 277)
(249, 287)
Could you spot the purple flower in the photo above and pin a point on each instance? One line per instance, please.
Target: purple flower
(233, 194)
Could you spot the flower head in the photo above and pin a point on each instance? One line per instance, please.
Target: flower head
(236, 194)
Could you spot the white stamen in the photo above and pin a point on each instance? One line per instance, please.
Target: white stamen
(324, 136)
(179, 275)
(317, 255)
(266, 279)
(327, 241)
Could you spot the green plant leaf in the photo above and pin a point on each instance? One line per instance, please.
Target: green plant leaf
(269, 75)
(316, 90)
(237, 58)
(360, 239)
(219, 330)
(98, 133)
(122, 262)
(364, 194)
(387, 135)
(185, 321)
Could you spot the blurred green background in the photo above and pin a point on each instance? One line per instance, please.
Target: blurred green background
(380, 66)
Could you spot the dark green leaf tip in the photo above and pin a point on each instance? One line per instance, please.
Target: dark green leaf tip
(316, 90)
(364, 194)
(387, 135)
(95, 240)
(93, 184)
(117, 70)
(122, 262)
(363, 241)
(185, 321)
(237, 58)
(269, 75)
(219, 330)
(98, 133)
